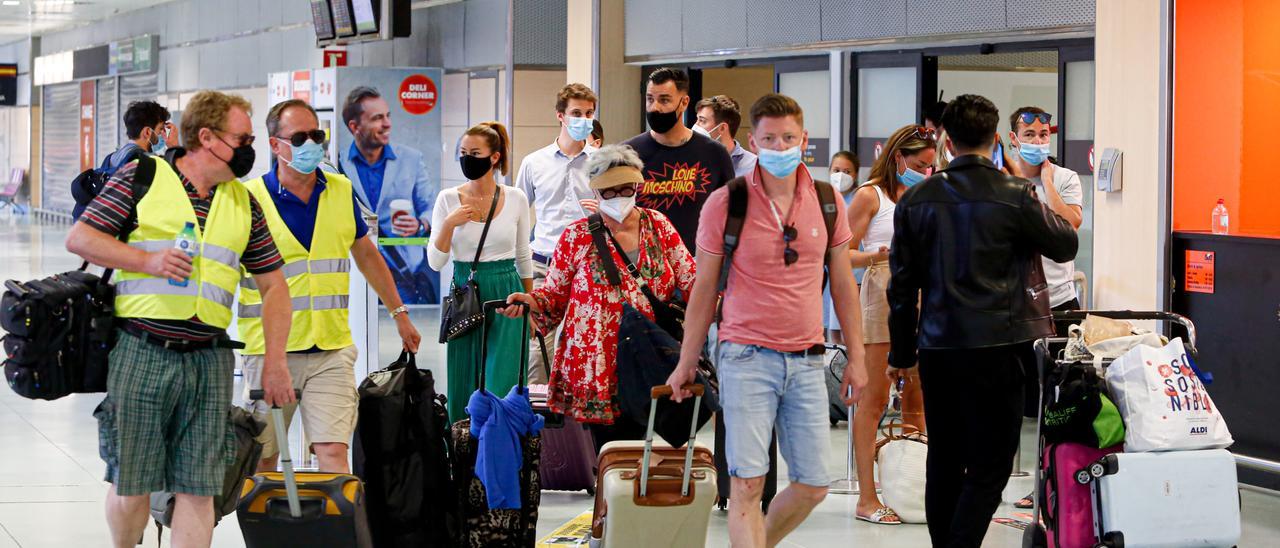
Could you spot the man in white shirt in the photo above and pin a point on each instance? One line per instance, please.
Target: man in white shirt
(719, 118)
(554, 178)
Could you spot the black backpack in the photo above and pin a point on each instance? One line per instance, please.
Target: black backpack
(60, 329)
(738, 197)
(88, 184)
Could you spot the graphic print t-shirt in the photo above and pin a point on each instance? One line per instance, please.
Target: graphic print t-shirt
(677, 180)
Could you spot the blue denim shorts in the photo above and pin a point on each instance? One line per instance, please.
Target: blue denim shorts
(762, 388)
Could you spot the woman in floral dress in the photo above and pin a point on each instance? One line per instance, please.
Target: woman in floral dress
(576, 294)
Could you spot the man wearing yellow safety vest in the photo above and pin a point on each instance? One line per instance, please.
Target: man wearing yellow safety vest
(316, 224)
(163, 424)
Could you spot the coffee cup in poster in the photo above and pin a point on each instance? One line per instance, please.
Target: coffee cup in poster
(400, 207)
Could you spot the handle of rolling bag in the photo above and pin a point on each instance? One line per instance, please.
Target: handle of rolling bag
(282, 443)
(655, 393)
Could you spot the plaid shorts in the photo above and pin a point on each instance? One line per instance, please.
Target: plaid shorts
(163, 425)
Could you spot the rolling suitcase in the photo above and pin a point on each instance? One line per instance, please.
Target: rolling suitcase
(653, 494)
(568, 452)
(314, 509)
(1067, 510)
(1175, 498)
(482, 527)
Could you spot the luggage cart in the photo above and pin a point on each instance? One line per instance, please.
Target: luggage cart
(1035, 535)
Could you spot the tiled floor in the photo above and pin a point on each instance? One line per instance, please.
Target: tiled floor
(51, 494)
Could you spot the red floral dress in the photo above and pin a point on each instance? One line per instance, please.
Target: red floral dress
(577, 295)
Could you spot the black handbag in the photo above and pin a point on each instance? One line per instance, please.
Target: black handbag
(462, 310)
(649, 351)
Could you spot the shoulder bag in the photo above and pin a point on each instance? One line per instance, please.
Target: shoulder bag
(462, 310)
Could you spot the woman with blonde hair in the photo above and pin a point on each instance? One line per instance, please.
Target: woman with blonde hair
(484, 228)
(907, 159)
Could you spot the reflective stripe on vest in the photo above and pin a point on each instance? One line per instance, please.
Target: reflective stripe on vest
(210, 291)
(318, 278)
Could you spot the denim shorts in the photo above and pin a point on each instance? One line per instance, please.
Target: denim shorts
(762, 388)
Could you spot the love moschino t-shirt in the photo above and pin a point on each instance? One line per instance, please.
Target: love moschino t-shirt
(677, 180)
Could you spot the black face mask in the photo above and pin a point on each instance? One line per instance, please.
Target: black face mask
(242, 158)
(474, 167)
(662, 122)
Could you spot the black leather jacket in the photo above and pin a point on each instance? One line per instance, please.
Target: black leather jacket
(966, 248)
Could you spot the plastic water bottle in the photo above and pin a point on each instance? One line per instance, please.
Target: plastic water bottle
(185, 242)
(1221, 221)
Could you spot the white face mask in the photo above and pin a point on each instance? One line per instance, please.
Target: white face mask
(618, 208)
(701, 130)
(842, 181)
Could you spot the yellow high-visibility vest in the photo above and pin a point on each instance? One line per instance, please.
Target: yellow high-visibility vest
(211, 289)
(318, 278)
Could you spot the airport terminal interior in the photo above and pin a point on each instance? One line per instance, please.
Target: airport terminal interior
(1148, 112)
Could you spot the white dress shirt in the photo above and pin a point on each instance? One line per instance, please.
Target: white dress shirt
(554, 184)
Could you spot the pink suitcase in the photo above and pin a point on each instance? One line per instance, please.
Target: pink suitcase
(1067, 506)
(568, 452)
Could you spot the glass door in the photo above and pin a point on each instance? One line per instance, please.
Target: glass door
(889, 89)
(1075, 142)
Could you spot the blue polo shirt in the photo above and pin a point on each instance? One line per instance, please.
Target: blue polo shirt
(301, 217)
(371, 175)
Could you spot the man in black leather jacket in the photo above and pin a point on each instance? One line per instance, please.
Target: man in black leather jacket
(966, 250)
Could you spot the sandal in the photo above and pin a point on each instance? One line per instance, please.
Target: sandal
(1024, 502)
(881, 517)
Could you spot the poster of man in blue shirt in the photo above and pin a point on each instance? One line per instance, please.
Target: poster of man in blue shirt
(391, 180)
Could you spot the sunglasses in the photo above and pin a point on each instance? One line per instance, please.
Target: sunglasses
(1031, 117)
(624, 192)
(244, 139)
(789, 255)
(926, 133)
(316, 135)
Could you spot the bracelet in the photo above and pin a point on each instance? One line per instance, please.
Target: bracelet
(398, 311)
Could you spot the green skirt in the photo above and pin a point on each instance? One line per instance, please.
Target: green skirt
(497, 280)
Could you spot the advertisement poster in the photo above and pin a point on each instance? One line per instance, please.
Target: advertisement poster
(400, 130)
(1199, 272)
(88, 94)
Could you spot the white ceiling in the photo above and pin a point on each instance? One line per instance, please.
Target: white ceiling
(33, 17)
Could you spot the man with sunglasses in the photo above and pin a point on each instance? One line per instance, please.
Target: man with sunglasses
(163, 424)
(316, 222)
(967, 295)
(770, 367)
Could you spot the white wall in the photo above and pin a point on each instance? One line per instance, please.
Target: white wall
(1128, 225)
(1009, 90)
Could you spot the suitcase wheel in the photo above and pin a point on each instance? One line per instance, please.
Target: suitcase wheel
(1098, 469)
(591, 491)
(1084, 476)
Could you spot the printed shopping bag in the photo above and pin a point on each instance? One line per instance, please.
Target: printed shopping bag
(1163, 402)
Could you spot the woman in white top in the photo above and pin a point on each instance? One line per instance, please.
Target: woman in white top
(907, 159)
(505, 264)
(843, 171)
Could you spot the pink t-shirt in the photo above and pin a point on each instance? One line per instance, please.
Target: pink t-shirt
(766, 302)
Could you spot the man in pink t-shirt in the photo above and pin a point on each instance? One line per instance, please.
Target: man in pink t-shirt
(770, 361)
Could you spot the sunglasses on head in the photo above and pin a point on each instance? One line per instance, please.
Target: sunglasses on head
(927, 133)
(789, 255)
(316, 135)
(1031, 117)
(615, 192)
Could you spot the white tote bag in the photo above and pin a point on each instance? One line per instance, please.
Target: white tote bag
(901, 457)
(1164, 405)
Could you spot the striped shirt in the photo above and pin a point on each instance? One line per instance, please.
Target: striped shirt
(112, 208)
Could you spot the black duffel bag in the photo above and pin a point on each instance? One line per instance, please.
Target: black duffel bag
(59, 331)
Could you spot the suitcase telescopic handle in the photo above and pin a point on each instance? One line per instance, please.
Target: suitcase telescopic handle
(665, 391)
(282, 443)
(1079, 315)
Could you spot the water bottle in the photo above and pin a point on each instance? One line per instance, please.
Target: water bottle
(1221, 220)
(185, 242)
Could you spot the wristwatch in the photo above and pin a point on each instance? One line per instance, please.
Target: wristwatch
(398, 311)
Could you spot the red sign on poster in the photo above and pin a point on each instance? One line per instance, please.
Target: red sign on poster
(1199, 272)
(335, 58)
(88, 94)
(302, 85)
(418, 94)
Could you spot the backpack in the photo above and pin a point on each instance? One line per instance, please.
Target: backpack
(738, 198)
(89, 183)
(60, 329)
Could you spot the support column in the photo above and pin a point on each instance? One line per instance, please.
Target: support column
(595, 57)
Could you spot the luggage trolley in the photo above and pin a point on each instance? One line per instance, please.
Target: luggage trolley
(1035, 535)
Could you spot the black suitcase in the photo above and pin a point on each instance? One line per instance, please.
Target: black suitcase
(481, 526)
(58, 333)
(313, 509)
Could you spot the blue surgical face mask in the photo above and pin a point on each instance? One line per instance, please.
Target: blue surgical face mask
(579, 127)
(779, 163)
(306, 157)
(910, 177)
(159, 147)
(1033, 154)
